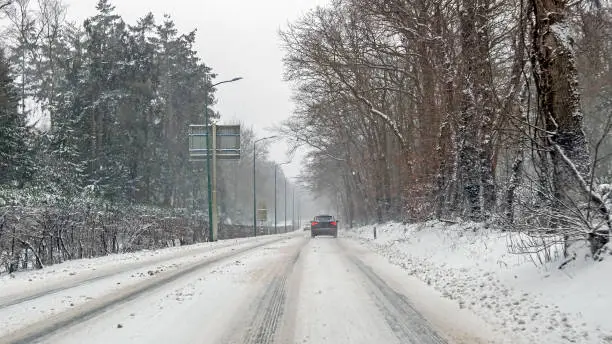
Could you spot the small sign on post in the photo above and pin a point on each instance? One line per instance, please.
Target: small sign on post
(262, 214)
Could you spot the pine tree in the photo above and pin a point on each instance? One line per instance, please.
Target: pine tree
(106, 67)
(182, 84)
(65, 150)
(15, 163)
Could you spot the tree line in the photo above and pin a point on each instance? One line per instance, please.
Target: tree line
(483, 110)
(94, 122)
(116, 100)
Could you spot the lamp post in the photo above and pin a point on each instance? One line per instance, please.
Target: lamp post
(211, 224)
(255, 184)
(275, 193)
(275, 225)
(293, 210)
(285, 204)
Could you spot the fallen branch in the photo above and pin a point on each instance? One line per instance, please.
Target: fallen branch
(595, 196)
(571, 259)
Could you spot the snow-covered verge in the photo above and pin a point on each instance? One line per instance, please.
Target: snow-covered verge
(471, 265)
(80, 270)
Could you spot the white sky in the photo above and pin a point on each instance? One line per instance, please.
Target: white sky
(235, 38)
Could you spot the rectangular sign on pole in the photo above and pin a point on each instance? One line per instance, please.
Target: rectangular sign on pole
(227, 142)
(197, 142)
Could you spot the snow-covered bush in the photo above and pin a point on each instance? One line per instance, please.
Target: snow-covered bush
(38, 228)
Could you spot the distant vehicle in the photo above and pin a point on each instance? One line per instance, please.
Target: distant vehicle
(324, 225)
(307, 227)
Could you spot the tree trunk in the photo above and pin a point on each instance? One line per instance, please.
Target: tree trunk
(556, 79)
(558, 94)
(467, 133)
(485, 100)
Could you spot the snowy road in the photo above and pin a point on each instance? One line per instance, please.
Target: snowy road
(283, 289)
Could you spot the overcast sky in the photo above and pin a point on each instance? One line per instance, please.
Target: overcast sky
(235, 38)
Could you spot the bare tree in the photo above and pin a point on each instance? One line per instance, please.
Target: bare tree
(559, 107)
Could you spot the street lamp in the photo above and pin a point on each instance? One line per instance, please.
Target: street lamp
(285, 204)
(255, 184)
(211, 225)
(275, 193)
(299, 211)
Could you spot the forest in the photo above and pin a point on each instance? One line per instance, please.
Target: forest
(495, 111)
(94, 120)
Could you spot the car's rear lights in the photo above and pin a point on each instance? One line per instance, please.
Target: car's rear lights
(333, 223)
(314, 223)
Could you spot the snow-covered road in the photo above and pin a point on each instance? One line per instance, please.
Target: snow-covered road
(281, 289)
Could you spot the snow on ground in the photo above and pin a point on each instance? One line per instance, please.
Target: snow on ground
(94, 279)
(472, 266)
(89, 268)
(197, 308)
(330, 279)
(296, 289)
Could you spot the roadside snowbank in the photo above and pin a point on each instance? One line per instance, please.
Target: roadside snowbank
(471, 265)
(81, 285)
(81, 270)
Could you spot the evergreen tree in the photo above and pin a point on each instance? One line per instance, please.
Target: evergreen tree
(105, 63)
(65, 145)
(15, 163)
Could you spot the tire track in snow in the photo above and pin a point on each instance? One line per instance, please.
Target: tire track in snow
(11, 300)
(408, 325)
(37, 331)
(269, 310)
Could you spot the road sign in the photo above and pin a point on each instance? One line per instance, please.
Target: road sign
(262, 214)
(226, 140)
